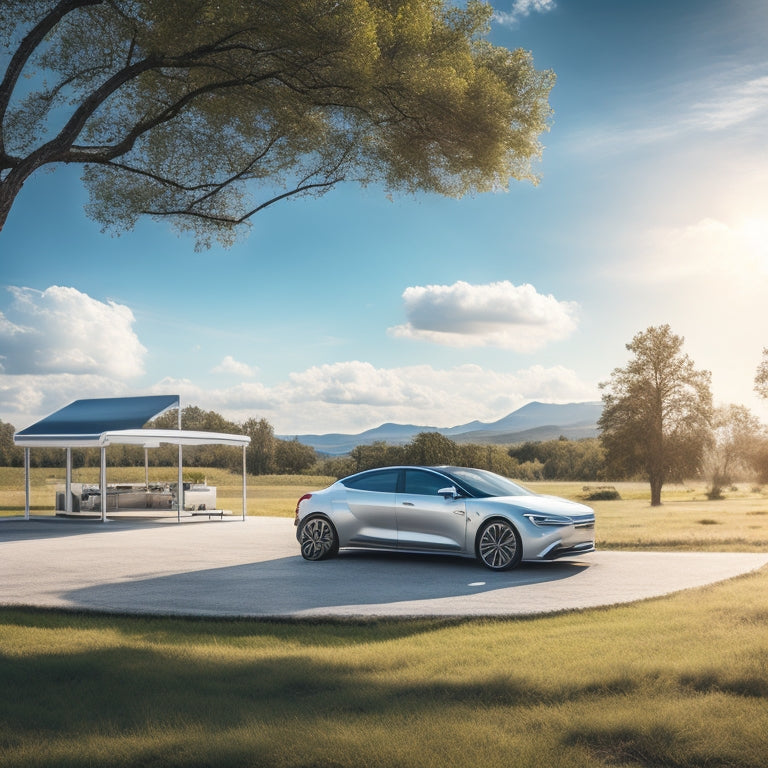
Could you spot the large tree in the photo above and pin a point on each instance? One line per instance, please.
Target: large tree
(657, 411)
(206, 111)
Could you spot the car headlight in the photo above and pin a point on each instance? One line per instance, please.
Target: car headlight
(548, 520)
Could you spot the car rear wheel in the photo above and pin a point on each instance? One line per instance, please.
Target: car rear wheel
(318, 539)
(498, 546)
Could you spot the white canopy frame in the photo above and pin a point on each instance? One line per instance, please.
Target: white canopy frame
(148, 438)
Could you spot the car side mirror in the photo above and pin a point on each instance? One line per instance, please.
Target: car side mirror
(448, 493)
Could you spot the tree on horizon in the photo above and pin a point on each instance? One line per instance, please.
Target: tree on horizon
(657, 411)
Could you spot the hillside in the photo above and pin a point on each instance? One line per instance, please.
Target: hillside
(534, 421)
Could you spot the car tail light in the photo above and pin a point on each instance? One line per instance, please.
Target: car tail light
(298, 504)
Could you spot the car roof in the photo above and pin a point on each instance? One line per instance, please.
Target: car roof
(434, 467)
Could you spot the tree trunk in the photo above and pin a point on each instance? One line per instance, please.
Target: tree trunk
(11, 185)
(656, 483)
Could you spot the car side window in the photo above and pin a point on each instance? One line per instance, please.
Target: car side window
(382, 482)
(424, 483)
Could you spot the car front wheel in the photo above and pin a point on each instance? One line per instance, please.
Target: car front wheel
(498, 546)
(318, 539)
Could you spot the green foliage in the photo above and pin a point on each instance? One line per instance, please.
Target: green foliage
(377, 454)
(657, 411)
(560, 459)
(430, 449)
(10, 454)
(260, 456)
(207, 111)
(427, 448)
(336, 466)
(601, 493)
(265, 454)
(294, 457)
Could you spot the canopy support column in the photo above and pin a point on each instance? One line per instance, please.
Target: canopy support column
(180, 493)
(68, 485)
(103, 483)
(26, 483)
(244, 484)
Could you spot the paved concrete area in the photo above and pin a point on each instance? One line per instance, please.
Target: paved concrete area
(253, 568)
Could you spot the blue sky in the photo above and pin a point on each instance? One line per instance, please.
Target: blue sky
(341, 313)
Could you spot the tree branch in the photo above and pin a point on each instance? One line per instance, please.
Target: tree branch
(27, 47)
(210, 188)
(241, 219)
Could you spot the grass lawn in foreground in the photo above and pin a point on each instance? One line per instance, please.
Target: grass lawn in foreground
(680, 681)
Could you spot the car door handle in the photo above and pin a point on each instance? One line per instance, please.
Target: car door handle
(408, 504)
(458, 511)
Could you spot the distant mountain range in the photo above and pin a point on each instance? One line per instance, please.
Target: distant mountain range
(534, 421)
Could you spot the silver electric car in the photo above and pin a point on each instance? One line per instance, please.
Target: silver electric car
(450, 510)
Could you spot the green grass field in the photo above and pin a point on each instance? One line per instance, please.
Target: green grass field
(678, 682)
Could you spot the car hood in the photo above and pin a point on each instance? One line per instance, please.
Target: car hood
(552, 505)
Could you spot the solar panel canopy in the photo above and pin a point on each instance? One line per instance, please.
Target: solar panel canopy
(85, 422)
(100, 422)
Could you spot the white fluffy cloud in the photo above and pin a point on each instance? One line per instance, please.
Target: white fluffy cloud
(357, 383)
(26, 398)
(231, 366)
(63, 331)
(520, 9)
(495, 315)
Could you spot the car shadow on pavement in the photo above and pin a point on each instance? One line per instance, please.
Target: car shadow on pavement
(353, 584)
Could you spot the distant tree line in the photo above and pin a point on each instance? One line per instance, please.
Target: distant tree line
(426, 448)
(549, 460)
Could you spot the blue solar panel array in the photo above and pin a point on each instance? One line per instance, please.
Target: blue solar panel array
(90, 418)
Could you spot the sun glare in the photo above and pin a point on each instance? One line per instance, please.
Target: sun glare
(754, 231)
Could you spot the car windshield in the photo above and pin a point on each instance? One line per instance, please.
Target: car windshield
(481, 483)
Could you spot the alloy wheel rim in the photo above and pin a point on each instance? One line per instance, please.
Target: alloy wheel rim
(498, 545)
(316, 539)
